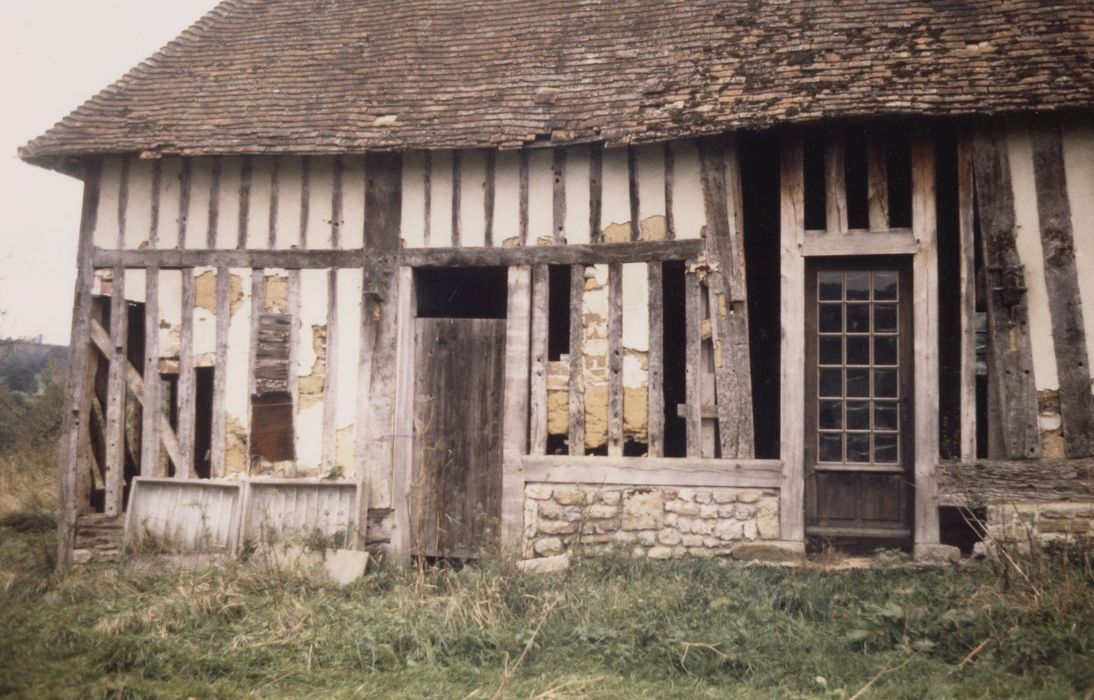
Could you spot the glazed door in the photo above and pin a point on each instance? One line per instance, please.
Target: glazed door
(858, 414)
(456, 479)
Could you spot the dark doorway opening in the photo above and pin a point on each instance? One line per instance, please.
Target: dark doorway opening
(461, 292)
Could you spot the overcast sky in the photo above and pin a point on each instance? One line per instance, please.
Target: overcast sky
(54, 54)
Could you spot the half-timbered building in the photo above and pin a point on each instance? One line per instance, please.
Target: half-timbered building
(673, 278)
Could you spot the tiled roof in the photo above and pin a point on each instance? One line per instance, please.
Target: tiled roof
(330, 76)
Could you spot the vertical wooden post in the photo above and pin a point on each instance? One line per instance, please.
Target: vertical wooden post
(615, 360)
(488, 197)
(75, 411)
(656, 393)
(403, 437)
(967, 285)
(258, 306)
(792, 313)
(558, 199)
(596, 175)
(835, 184)
(523, 182)
(115, 399)
(330, 379)
(577, 351)
(925, 290)
(515, 423)
(877, 181)
(693, 353)
(540, 310)
(220, 378)
(186, 392)
(150, 411)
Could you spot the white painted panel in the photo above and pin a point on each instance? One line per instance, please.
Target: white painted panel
(540, 196)
(1028, 234)
(413, 216)
(313, 313)
(236, 400)
(258, 212)
(134, 285)
(506, 197)
(287, 511)
(472, 198)
(349, 335)
(290, 186)
(185, 515)
(577, 195)
(170, 288)
(170, 187)
(615, 214)
(1079, 169)
(320, 202)
(106, 220)
(138, 211)
(440, 202)
(636, 311)
(353, 202)
(227, 234)
(651, 191)
(197, 223)
(688, 215)
(205, 321)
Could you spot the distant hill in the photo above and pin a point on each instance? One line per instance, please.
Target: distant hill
(22, 361)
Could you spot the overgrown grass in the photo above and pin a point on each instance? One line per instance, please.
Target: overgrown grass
(608, 628)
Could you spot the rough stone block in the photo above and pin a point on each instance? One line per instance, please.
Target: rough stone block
(767, 522)
(776, 552)
(729, 529)
(936, 553)
(748, 496)
(659, 553)
(557, 527)
(682, 507)
(599, 512)
(647, 538)
(551, 511)
(669, 536)
(549, 546)
(539, 492)
(723, 497)
(642, 510)
(692, 541)
(545, 565)
(708, 511)
(743, 511)
(569, 496)
(702, 497)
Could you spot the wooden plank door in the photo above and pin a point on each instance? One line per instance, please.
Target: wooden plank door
(859, 447)
(456, 478)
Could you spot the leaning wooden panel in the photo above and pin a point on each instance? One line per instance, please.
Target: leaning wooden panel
(1010, 350)
(183, 515)
(792, 313)
(925, 290)
(1065, 304)
(296, 510)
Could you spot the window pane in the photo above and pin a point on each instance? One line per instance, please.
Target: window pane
(885, 447)
(885, 318)
(831, 350)
(831, 414)
(858, 382)
(858, 447)
(831, 382)
(858, 318)
(885, 286)
(885, 349)
(831, 318)
(830, 286)
(884, 383)
(858, 415)
(831, 447)
(858, 350)
(886, 414)
(858, 286)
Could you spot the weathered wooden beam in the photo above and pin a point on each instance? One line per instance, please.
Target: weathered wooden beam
(1010, 349)
(835, 183)
(596, 192)
(76, 412)
(220, 378)
(899, 242)
(245, 175)
(489, 195)
(540, 311)
(187, 397)
(615, 360)
(792, 348)
(632, 192)
(693, 353)
(877, 181)
(515, 421)
(522, 178)
(275, 186)
(150, 443)
(648, 471)
(925, 339)
(980, 483)
(214, 206)
(457, 186)
(330, 378)
(656, 383)
(1062, 279)
(258, 306)
(966, 204)
(670, 176)
(114, 481)
(577, 377)
(169, 259)
(185, 178)
(558, 195)
(597, 253)
(402, 420)
(292, 306)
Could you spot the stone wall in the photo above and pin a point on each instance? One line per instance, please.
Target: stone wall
(1019, 524)
(656, 522)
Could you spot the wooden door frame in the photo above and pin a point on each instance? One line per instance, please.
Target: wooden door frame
(906, 369)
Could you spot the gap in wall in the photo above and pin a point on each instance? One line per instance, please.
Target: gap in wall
(461, 292)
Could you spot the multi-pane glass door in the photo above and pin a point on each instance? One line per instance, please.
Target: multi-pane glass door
(858, 389)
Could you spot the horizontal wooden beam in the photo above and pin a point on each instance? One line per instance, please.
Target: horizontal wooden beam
(896, 242)
(173, 259)
(653, 471)
(980, 483)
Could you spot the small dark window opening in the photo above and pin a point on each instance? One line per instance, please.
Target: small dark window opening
(203, 421)
(816, 214)
(558, 314)
(675, 357)
(855, 175)
(961, 527)
(900, 178)
(761, 203)
(462, 292)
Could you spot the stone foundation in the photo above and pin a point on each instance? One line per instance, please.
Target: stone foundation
(655, 522)
(1019, 524)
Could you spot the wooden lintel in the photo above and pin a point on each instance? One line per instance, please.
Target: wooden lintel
(651, 471)
(899, 242)
(980, 483)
